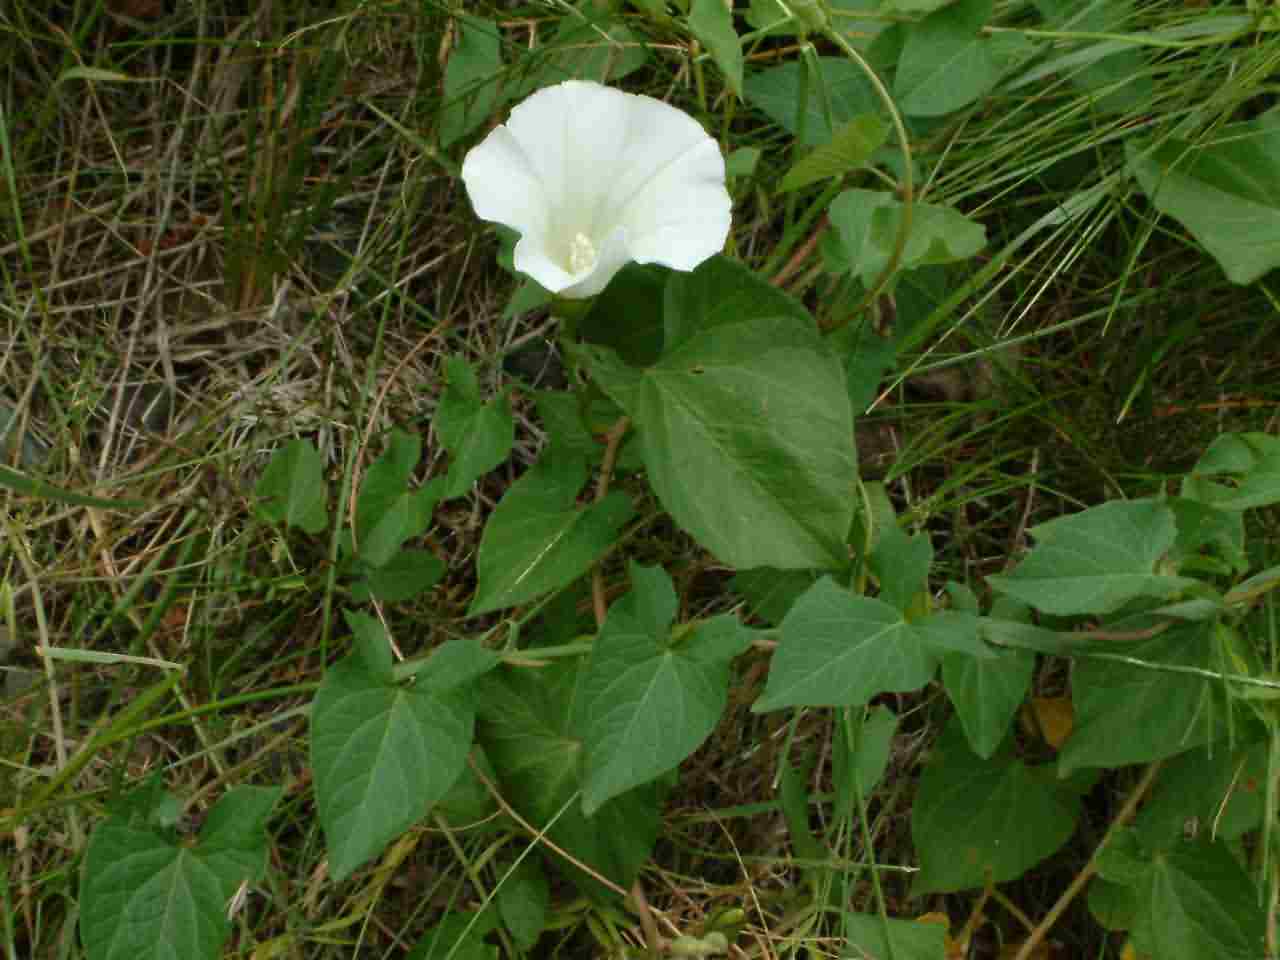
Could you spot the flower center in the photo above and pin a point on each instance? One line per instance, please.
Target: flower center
(582, 254)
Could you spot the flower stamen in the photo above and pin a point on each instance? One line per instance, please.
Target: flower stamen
(582, 254)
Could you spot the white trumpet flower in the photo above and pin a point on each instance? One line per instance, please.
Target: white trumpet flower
(592, 178)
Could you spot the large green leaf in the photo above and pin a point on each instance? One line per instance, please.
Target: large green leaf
(144, 897)
(292, 488)
(478, 435)
(648, 699)
(838, 81)
(1096, 561)
(1134, 712)
(1227, 193)
(470, 77)
(382, 753)
(527, 731)
(840, 650)
(1197, 902)
(388, 511)
(747, 435)
(539, 538)
(947, 61)
(977, 821)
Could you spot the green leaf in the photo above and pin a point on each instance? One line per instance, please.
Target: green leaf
(292, 488)
(458, 936)
(523, 898)
(1096, 561)
(712, 23)
(947, 62)
(839, 81)
(987, 693)
(1239, 471)
(870, 936)
(407, 574)
(1197, 902)
(470, 78)
(477, 435)
(747, 435)
(587, 46)
(143, 897)
(382, 753)
(1134, 712)
(527, 731)
(850, 149)
(840, 650)
(720, 292)
(770, 592)
(901, 566)
(974, 816)
(861, 752)
(1227, 193)
(627, 314)
(1221, 788)
(539, 538)
(648, 702)
(388, 512)
(867, 223)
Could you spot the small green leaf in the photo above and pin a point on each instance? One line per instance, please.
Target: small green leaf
(470, 78)
(861, 752)
(382, 753)
(1096, 561)
(1226, 192)
(649, 703)
(539, 539)
(458, 936)
(388, 512)
(901, 566)
(981, 821)
(838, 81)
(1239, 471)
(870, 936)
(407, 574)
(590, 45)
(850, 149)
(867, 223)
(292, 488)
(947, 62)
(711, 21)
(143, 897)
(986, 693)
(523, 898)
(477, 435)
(840, 650)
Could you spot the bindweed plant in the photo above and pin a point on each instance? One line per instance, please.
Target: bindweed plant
(705, 404)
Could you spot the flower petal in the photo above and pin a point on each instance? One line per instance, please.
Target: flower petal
(504, 187)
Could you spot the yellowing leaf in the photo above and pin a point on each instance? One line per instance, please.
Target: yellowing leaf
(1050, 718)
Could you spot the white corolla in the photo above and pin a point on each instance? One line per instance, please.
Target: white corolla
(592, 178)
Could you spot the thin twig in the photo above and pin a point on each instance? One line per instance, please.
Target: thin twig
(613, 441)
